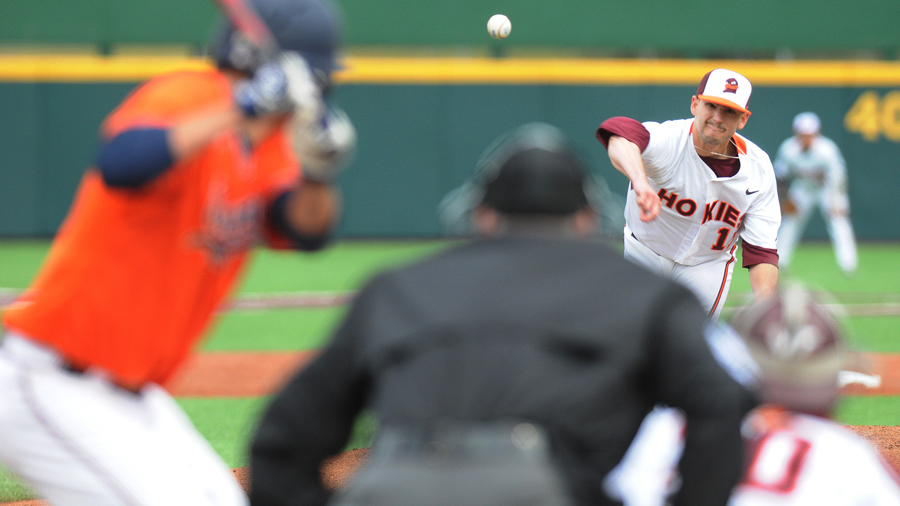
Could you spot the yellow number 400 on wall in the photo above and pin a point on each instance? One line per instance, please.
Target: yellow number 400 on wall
(871, 116)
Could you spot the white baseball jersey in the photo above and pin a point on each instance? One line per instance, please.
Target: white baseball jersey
(812, 460)
(819, 177)
(821, 167)
(703, 215)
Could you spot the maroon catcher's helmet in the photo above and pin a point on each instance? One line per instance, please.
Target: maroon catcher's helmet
(798, 344)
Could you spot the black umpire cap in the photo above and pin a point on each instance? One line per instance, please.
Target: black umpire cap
(532, 170)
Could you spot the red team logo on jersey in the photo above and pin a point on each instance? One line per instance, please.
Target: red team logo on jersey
(731, 85)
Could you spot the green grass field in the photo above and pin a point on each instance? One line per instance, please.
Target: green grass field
(228, 422)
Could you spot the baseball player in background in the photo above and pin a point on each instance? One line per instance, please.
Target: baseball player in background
(696, 187)
(796, 454)
(194, 169)
(814, 169)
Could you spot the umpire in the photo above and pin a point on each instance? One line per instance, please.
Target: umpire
(514, 369)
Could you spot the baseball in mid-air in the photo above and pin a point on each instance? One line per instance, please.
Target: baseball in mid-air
(499, 26)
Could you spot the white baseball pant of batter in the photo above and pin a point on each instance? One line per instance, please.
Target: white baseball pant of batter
(79, 440)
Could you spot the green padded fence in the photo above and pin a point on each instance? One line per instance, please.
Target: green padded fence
(705, 28)
(423, 123)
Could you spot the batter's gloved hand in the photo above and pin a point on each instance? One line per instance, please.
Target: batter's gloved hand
(303, 89)
(283, 84)
(267, 92)
(326, 146)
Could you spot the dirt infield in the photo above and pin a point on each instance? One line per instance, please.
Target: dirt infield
(237, 374)
(254, 374)
(250, 374)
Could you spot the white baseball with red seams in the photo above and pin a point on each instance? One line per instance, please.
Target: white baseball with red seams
(499, 26)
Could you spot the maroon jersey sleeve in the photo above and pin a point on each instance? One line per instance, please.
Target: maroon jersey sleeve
(753, 255)
(628, 128)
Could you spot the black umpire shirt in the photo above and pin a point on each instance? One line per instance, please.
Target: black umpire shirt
(567, 334)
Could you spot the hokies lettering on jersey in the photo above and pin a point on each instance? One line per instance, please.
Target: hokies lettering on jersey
(704, 212)
(717, 210)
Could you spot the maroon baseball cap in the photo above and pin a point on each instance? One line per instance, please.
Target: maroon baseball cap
(725, 87)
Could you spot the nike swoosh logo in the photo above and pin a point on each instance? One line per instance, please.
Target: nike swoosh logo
(750, 192)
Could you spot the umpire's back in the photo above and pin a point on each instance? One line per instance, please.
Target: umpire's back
(565, 334)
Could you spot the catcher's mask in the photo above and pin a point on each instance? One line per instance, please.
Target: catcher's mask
(799, 346)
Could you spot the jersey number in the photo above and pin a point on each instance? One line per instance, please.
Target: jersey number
(720, 242)
(777, 461)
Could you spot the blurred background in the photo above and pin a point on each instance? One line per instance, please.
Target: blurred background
(428, 89)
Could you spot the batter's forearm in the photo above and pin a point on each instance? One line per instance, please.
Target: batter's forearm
(190, 135)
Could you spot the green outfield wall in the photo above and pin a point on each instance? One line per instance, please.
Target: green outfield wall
(696, 28)
(423, 123)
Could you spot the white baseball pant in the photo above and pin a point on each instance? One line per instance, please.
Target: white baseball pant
(648, 472)
(709, 281)
(835, 209)
(77, 439)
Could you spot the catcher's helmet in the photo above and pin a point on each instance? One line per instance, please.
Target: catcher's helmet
(799, 347)
(310, 27)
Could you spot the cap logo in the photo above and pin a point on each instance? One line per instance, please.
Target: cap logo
(731, 85)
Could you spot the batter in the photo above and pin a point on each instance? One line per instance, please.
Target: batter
(195, 168)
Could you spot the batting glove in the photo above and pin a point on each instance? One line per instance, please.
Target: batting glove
(325, 147)
(301, 87)
(266, 92)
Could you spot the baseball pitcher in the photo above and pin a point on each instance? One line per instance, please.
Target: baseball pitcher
(696, 188)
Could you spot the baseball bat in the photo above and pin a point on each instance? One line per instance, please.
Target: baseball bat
(248, 22)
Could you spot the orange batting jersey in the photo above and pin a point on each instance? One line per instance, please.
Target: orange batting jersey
(135, 275)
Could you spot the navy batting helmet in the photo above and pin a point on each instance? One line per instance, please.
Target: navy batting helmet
(799, 347)
(310, 27)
